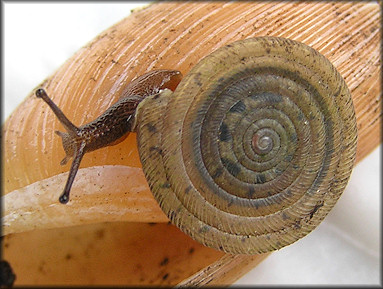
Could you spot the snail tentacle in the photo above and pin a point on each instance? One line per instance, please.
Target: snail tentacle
(79, 153)
(68, 125)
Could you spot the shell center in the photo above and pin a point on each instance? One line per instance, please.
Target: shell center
(262, 144)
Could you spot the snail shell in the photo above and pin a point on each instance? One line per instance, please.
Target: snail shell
(253, 148)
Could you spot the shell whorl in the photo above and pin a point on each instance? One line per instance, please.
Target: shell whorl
(253, 148)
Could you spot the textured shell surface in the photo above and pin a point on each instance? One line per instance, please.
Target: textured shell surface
(253, 148)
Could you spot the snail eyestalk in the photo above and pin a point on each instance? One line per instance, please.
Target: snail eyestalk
(64, 198)
(69, 126)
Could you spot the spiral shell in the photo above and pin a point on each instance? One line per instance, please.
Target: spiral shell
(253, 148)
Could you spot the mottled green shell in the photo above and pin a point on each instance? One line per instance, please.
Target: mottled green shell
(253, 148)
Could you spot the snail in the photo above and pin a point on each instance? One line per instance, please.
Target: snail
(248, 154)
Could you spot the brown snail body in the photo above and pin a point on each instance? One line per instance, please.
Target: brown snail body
(112, 126)
(253, 148)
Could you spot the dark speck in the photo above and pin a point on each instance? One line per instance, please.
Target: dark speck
(285, 216)
(278, 171)
(314, 210)
(239, 107)
(171, 216)
(100, 234)
(165, 276)
(187, 190)
(197, 79)
(224, 133)
(260, 179)
(243, 240)
(217, 173)
(155, 149)
(288, 158)
(232, 167)
(165, 185)
(271, 97)
(251, 192)
(164, 261)
(151, 127)
(203, 229)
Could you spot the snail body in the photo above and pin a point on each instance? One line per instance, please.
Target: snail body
(252, 149)
(112, 126)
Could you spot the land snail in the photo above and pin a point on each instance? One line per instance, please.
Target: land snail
(248, 154)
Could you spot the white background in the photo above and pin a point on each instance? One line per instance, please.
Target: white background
(344, 249)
